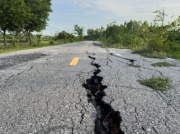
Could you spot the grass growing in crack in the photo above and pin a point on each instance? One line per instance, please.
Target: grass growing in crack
(163, 64)
(157, 83)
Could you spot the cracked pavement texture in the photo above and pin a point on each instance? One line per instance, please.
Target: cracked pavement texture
(41, 94)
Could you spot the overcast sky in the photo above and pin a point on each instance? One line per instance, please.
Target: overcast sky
(97, 13)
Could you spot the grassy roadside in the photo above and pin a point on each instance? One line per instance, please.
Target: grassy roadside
(144, 52)
(118, 46)
(26, 46)
(160, 55)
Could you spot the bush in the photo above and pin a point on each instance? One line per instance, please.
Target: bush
(51, 42)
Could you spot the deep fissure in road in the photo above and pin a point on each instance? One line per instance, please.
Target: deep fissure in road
(107, 120)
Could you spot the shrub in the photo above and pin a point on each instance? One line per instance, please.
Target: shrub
(51, 42)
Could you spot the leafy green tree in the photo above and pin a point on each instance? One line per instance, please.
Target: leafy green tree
(23, 15)
(130, 26)
(174, 35)
(94, 34)
(160, 16)
(12, 14)
(90, 34)
(19, 18)
(113, 34)
(65, 36)
(38, 15)
(79, 31)
(3, 22)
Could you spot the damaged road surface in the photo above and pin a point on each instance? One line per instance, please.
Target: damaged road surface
(107, 120)
(41, 94)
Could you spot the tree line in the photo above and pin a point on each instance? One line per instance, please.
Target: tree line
(155, 38)
(22, 17)
(146, 37)
(65, 37)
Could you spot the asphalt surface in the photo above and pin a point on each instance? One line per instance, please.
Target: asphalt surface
(41, 94)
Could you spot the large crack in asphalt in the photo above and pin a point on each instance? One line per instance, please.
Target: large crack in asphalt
(107, 119)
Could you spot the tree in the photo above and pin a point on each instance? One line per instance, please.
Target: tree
(38, 15)
(145, 26)
(65, 36)
(174, 35)
(114, 34)
(19, 18)
(160, 16)
(79, 31)
(130, 26)
(3, 22)
(23, 15)
(12, 16)
(90, 33)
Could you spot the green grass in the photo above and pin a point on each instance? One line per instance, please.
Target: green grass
(143, 51)
(175, 55)
(157, 83)
(118, 46)
(25, 46)
(163, 64)
(161, 55)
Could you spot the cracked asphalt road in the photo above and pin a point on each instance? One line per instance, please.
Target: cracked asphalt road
(41, 94)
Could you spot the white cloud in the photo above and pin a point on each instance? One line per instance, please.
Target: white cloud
(139, 9)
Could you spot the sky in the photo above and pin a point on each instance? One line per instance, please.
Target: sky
(97, 13)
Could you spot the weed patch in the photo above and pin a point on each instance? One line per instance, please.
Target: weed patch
(157, 83)
(163, 64)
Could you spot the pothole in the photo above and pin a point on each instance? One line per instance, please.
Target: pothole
(107, 119)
